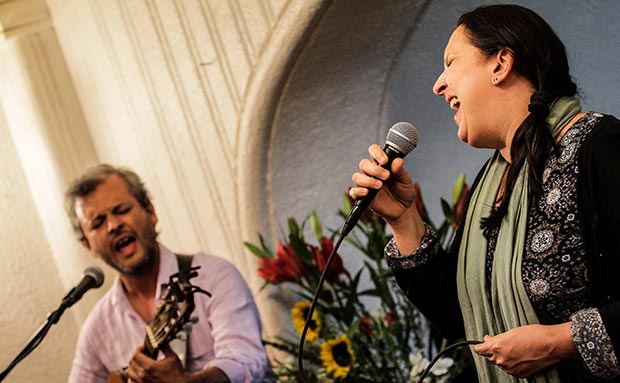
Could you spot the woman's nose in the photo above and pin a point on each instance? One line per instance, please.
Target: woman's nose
(440, 85)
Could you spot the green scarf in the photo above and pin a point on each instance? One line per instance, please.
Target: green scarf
(509, 306)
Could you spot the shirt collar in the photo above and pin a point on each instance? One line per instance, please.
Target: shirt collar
(168, 265)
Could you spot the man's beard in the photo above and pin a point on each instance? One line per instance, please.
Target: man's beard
(151, 250)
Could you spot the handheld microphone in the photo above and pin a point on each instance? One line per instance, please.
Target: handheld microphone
(91, 278)
(401, 139)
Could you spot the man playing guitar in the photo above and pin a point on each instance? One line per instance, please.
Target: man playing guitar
(115, 220)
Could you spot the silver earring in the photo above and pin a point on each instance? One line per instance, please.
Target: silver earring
(495, 81)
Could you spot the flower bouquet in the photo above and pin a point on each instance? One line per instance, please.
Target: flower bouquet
(363, 329)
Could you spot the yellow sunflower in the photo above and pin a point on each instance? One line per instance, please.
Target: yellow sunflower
(300, 313)
(337, 356)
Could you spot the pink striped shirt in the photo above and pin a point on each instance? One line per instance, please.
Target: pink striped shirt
(227, 335)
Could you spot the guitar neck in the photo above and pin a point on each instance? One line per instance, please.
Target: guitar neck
(151, 348)
(171, 316)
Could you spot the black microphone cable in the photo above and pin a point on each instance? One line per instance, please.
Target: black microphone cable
(442, 353)
(401, 139)
(315, 299)
(302, 339)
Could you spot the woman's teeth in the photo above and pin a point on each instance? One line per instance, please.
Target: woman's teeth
(454, 103)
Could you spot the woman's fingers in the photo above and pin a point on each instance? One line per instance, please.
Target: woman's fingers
(377, 154)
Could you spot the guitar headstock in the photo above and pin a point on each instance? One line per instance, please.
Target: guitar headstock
(174, 311)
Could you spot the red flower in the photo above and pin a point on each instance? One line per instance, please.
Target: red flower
(388, 319)
(322, 255)
(366, 325)
(284, 267)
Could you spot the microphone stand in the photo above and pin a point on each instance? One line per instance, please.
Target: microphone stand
(36, 339)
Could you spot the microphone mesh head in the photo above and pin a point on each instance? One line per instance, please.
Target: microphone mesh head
(403, 136)
(96, 273)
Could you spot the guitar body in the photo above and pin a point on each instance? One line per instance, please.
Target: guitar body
(171, 317)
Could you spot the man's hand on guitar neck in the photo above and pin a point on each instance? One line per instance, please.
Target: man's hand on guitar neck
(143, 369)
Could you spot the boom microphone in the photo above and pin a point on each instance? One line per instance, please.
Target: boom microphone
(401, 139)
(91, 278)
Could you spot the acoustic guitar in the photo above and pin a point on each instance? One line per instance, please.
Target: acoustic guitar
(173, 315)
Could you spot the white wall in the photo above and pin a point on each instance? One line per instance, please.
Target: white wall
(181, 91)
(237, 114)
(31, 283)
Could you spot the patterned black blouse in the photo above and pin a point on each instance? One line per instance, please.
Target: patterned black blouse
(554, 269)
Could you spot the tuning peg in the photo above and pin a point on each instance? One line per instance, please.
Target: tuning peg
(182, 336)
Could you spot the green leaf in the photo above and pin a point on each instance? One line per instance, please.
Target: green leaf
(457, 190)
(349, 308)
(306, 296)
(256, 250)
(371, 292)
(383, 355)
(293, 228)
(266, 249)
(447, 209)
(327, 296)
(356, 279)
(264, 285)
(300, 247)
(317, 229)
(346, 205)
(380, 285)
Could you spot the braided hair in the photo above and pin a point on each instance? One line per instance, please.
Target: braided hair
(540, 57)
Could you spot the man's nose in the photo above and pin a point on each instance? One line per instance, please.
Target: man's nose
(114, 223)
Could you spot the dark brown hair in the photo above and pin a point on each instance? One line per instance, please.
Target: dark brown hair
(540, 57)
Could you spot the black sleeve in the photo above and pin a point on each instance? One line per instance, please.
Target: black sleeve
(432, 287)
(599, 190)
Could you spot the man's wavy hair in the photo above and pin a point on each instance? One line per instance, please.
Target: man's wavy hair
(94, 177)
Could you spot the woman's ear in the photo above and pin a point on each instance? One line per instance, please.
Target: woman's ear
(503, 62)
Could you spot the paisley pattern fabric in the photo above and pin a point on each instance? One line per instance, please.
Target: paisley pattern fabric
(428, 247)
(554, 268)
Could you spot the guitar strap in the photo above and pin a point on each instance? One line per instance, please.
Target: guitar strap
(181, 345)
(185, 263)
